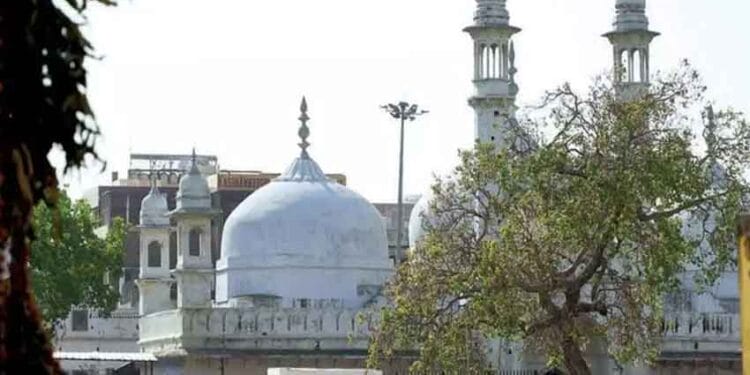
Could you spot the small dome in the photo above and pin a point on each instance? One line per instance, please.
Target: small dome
(193, 190)
(420, 216)
(154, 208)
(303, 236)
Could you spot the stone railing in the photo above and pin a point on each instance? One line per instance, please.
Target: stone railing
(121, 325)
(702, 326)
(260, 329)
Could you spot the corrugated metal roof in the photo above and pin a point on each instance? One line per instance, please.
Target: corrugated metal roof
(105, 356)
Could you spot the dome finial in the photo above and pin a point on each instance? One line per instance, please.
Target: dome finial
(304, 131)
(153, 181)
(194, 163)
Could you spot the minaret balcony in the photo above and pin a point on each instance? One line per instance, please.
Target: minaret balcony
(493, 87)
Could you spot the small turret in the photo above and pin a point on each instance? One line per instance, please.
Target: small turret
(154, 281)
(494, 72)
(192, 217)
(630, 40)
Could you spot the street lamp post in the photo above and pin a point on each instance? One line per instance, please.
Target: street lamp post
(402, 111)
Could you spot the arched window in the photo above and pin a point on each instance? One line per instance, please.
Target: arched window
(624, 66)
(194, 242)
(637, 66)
(504, 62)
(478, 60)
(135, 298)
(495, 58)
(172, 250)
(173, 292)
(154, 254)
(487, 63)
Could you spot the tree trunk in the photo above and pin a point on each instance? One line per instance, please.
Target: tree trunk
(573, 358)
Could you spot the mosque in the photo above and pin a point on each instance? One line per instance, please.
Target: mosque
(304, 259)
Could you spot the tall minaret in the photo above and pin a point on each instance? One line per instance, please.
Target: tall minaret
(494, 72)
(630, 41)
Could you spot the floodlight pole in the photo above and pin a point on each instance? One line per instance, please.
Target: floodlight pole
(402, 111)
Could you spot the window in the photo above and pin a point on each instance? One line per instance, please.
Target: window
(173, 292)
(194, 242)
(637, 66)
(624, 66)
(154, 254)
(135, 296)
(80, 320)
(172, 250)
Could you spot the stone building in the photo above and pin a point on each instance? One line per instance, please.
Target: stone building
(297, 284)
(240, 271)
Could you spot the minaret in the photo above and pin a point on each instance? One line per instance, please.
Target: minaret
(154, 281)
(494, 72)
(192, 216)
(630, 41)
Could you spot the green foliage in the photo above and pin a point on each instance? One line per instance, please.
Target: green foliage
(71, 265)
(577, 237)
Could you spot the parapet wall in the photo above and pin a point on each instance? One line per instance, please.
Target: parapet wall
(257, 330)
(702, 326)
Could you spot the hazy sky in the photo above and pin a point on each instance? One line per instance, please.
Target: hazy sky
(226, 76)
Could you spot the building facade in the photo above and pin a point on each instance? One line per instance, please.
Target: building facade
(85, 330)
(297, 284)
(240, 271)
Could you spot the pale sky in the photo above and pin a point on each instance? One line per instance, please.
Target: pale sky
(227, 76)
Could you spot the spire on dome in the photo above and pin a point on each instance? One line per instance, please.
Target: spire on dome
(631, 15)
(491, 13)
(153, 181)
(194, 164)
(304, 168)
(304, 131)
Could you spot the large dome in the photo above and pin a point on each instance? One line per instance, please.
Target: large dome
(303, 236)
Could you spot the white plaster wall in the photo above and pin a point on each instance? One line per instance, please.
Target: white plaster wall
(239, 329)
(118, 333)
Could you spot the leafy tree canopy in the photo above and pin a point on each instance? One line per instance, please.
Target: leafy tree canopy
(71, 265)
(575, 235)
(43, 102)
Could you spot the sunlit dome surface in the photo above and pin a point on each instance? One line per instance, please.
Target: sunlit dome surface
(303, 236)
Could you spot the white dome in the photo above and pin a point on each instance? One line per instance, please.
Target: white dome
(420, 216)
(154, 209)
(303, 237)
(193, 192)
